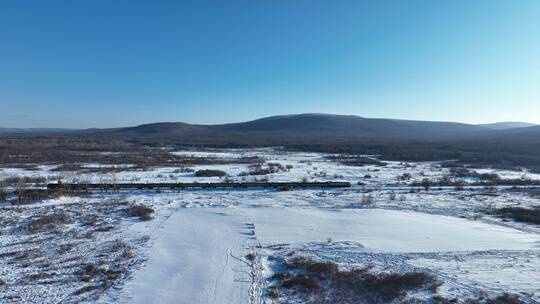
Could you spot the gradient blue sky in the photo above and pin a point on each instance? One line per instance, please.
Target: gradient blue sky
(103, 63)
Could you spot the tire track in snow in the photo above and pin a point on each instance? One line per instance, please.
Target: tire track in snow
(218, 278)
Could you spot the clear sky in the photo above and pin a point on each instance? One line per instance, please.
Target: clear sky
(103, 63)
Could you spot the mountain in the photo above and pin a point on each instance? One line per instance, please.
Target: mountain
(348, 124)
(506, 125)
(392, 139)
(314, 126)
(527, 133)
(31, 130)
(160, 128)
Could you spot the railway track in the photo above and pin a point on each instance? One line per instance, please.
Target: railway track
(176, 186)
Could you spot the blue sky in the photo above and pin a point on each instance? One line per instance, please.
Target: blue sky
(101, 63)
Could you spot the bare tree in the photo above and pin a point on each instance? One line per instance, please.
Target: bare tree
(3, 193)
(21, 189)
(459, 186)
(426, 184)
(368, 200)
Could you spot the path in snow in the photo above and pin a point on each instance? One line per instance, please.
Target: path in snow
(191, 262)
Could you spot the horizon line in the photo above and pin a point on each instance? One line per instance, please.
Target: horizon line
(264, 117)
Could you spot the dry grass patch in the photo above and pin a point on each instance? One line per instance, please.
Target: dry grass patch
(312, 281)
(141, 211)
(531, 216)
(210, 173)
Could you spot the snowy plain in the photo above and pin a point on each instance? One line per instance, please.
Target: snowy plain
(313, 166)
(197, 241)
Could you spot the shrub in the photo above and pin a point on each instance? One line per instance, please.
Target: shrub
(250, 257)
(89, 220)
(184, 170)
(305, 276)
(520, 214)
(272, 292)
(85, 289)
(437, 299)
(505, 298)
(301, 281)
(489, 177)
(141, 211)
(48, 222)
(210, 173)
(391, 285)
(459, 186)
(404, 177)
(357, 161)
(258, 169)
(461, 172)
(24, 180)
(88, 272)
(317, 268)
(3, 193)
(368, 200)
(426, 184)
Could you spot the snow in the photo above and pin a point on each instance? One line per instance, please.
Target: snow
(383, 230)
(192, 262)
(193, 259)
(198, 239)
(231, 153)
(509, 174)
(502, 271)
(312, 166)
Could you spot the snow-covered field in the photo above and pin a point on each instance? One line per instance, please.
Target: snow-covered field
(217, 246)
(209, 271)
(298, 166)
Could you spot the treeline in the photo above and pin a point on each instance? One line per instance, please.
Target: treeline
(496, 154)
(507, 152)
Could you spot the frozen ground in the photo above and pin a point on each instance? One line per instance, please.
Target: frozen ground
(218, 246)
(197, 258)
(310, 166)
(66, 250)
(193, 262)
